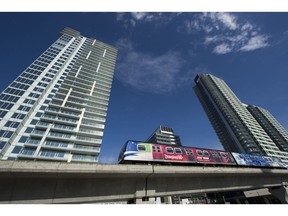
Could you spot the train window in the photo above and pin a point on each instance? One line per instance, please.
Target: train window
(188, 152)
(206, 154)
(178, 151)
(199, 152)
(141, 147)
(156, 149)
(223, 154)
(169, 150)
(215, 154)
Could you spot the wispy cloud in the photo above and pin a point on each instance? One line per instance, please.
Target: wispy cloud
(226, 33)
(255, 42)
(148, 72)
(134, 18)
(222, 49)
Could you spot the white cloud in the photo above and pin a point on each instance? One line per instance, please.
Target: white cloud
(255, 42)
(228, 20)
(222, 49)
(226, 33)
(139, 15)
(134, 18)
(150, 73)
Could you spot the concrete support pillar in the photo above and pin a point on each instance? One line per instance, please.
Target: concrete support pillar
(281, 193)
(146, 200)
(237, 201)
(168, 200)
(266, 200)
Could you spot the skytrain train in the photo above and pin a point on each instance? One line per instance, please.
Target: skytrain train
(140, 152)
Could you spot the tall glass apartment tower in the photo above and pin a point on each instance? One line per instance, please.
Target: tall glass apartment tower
(56, 109)
(235, 126)
(271, 126)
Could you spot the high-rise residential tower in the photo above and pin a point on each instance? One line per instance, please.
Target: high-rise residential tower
(235, 126)
(271, 126)
(164, 135)
(56, 108)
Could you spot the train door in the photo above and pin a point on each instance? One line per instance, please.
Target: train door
(190, 155)
(215, 157)
(157, 152)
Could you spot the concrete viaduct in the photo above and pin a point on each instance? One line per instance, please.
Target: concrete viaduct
(58, 182)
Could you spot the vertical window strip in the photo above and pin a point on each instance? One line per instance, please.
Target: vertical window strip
(98, 67)
(93, 42)
(78, 71)
(42, 140)
(92, 89)
(104, 53)
(88, 54)
(66, 98)
(80, 119)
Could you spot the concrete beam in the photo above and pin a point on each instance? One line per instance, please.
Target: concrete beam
(257, 193)
(60, 182)
(281, 193)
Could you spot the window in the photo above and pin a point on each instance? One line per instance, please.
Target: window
(2, 113)
(223, 154)
(29, 130)
(7, 106)
(12, 124)
(42, 84)
(29, 101)
(51, 153)
(24, 108)
(199, 152)
(18, 116)
(34, 122)
(206, 154)
(5, 134)
(38, 89)
(23, 139)
(156, 149)
(141, 147)
(178, 151)
(33, 141)
(215, 154)
(2, 144)
(47, 101)
(188, 152)
(17, 149)
(34, 95)
(169, 150)
(43, 107)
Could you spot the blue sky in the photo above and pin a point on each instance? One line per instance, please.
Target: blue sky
(159, 56)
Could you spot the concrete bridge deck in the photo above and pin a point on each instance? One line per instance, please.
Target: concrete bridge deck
(59, 182)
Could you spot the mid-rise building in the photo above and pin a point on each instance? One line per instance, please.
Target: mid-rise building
(235, 126)
(56, 108)
(164, 135)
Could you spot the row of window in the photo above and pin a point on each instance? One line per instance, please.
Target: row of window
(14, 91)
(19, 86)
(10, 98)
(171, 150)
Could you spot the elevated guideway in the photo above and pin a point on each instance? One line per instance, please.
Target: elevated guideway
(61, 182)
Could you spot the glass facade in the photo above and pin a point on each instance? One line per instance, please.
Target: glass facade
(235, 126)
(271, 126)
(56, 109)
